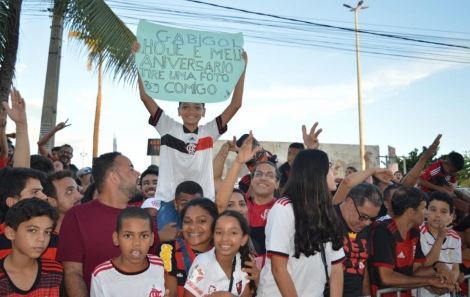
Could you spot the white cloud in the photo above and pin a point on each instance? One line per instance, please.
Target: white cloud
(332, 98)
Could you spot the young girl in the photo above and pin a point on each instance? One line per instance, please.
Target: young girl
(300, 228)
(220, 269)
(197, 217)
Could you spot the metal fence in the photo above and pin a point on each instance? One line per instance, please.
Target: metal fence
(398, 290)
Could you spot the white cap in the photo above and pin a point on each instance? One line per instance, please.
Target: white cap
(151, 203)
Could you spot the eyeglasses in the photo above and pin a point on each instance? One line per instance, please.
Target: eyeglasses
(66, 153)
(361, 216)
(268, 175)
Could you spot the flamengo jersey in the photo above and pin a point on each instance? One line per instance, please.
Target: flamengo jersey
(257, 218)
(451, 250)
(206, 276)
(107, 280)
(49, 281)
(185, 155)
(435, 169)
(390, 250)
(307, 273)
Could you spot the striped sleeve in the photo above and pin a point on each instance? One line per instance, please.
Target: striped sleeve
(280, 229)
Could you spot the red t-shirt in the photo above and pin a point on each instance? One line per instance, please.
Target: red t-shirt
(4, 163)
(257, 217)
(433, 170)
(86, 236)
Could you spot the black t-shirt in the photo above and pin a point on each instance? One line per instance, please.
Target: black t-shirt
(357, 251)
(284, 169)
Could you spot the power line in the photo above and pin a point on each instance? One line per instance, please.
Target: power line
(327, 26)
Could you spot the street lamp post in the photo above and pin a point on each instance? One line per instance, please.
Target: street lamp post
(359, 90)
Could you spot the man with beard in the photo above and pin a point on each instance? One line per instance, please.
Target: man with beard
(66, 155)
(62, 192)
(87, 229)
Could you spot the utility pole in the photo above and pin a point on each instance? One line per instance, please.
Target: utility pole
(359, 90)
(49, 105)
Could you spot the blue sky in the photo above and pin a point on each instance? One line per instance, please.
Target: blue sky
(407, 102)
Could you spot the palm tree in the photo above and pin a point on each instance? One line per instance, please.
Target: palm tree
(9, 38)
(88, 18)
(91, 42)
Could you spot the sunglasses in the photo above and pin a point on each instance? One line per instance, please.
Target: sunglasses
(362, 217)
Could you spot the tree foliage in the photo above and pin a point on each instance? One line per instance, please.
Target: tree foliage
(94, 18)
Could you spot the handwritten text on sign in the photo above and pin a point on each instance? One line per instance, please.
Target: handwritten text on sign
(187, 65)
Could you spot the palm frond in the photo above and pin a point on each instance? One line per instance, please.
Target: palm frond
(99, 27)
(5, 13)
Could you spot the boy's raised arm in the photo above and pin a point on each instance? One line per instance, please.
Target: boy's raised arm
(148, 101)
(414, 174)
(3, 135)
(237, 97)
(17, 113)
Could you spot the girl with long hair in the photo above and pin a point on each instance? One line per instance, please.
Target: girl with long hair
(197, 217)
(220, 269)
(302, 227)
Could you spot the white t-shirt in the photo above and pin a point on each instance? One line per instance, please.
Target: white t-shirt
(185, 156)
(206, 276)
(307, 273)
(451, 251)
(107, 280)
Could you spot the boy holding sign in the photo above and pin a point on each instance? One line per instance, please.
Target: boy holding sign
(186, 149)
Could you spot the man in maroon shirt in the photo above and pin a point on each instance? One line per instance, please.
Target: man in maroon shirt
(86, 232)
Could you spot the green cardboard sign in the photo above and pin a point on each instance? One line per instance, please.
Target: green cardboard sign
(188, 65)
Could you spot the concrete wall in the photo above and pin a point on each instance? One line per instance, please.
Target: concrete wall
(348, 153)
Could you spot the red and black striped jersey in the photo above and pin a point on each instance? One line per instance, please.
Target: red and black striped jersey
(390, 250)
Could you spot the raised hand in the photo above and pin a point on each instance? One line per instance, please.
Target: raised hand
(245, 58)
(135, 47)
(384, 175)
(311, 139)
(339, 163)
(3, 118)
(427, 154)
(246, 152)
(62, 125)
(368, 157)
(17, 112)
(232, 145)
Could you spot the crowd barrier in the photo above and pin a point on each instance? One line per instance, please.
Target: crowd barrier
(394, 289)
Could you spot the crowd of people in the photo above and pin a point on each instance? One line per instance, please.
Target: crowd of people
(184, 230)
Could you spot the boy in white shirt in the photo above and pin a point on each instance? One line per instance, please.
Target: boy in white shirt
(133, 272)
(186, 149)
(438, 241)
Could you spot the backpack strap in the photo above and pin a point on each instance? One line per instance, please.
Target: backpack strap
(186, 258)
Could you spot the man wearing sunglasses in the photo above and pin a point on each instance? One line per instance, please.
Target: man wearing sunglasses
(357, 213)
